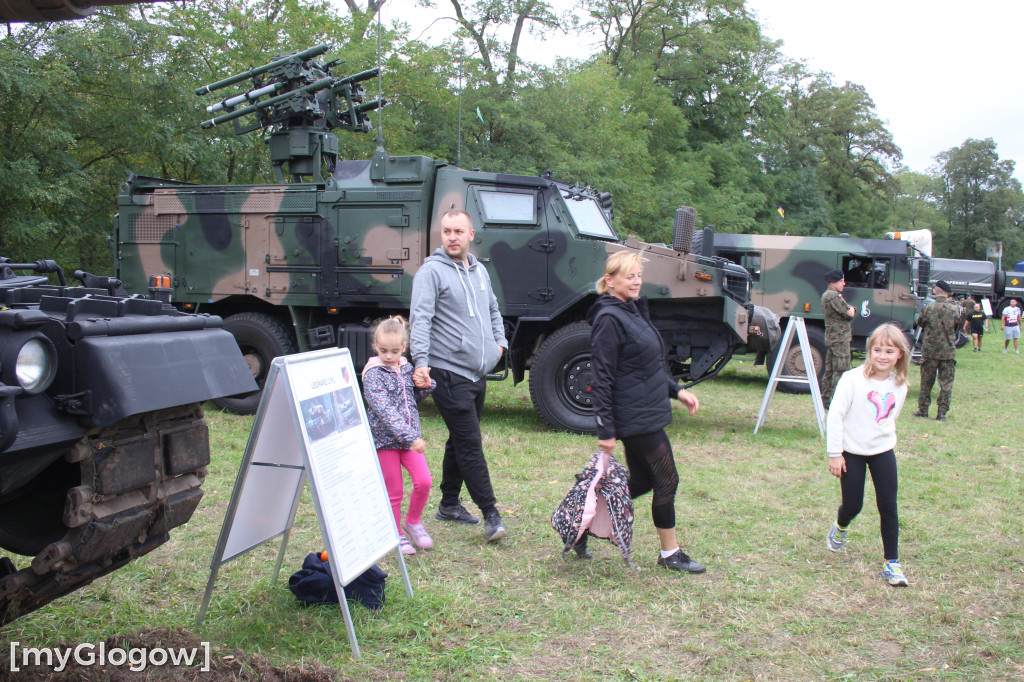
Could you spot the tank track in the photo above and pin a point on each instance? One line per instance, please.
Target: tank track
(136, 481)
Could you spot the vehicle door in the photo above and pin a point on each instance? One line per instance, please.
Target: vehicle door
(512, 241)
(373, 242)
(868, 289)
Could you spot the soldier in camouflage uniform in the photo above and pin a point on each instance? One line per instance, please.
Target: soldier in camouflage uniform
(939, 323)
(838, 332)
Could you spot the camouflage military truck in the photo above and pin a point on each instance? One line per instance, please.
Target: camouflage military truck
(977, 279)
(103, 444)
(313, 262)
(787, 276)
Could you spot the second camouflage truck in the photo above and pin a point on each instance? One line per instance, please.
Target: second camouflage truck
(788, 278)
(311, 262)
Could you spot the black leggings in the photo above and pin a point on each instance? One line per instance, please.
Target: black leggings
(883, 475)
(652, 467)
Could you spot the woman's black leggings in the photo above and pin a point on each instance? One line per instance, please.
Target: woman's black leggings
(883, 475)
(652, 467)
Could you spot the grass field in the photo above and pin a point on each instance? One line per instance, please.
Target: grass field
(773, 605)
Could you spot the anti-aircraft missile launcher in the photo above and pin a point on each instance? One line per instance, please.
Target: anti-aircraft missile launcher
(312, 260)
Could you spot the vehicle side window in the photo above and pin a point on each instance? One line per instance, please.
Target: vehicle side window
(752, 263)
(866, 273)
(517, 208)
(749, 260)
(880, 280)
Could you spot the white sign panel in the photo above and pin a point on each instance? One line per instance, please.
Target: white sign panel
(311, 424)
(343, 468)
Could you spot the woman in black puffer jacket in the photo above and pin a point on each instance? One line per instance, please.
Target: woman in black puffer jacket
(632, 391)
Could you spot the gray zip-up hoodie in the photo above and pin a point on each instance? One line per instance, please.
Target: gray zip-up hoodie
(454, 317)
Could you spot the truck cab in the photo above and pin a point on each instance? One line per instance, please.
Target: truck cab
(788, 278)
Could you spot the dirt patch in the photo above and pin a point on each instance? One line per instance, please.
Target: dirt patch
(224, 665)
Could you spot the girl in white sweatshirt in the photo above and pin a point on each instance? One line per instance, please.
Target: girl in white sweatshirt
(861, 435)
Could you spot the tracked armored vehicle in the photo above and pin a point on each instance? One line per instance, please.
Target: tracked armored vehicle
(313, 260)
(54, 10)
(103, 444)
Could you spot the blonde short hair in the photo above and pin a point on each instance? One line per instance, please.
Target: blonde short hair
(619, 263)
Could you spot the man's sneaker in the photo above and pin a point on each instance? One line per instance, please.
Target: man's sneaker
(404, 546)
(456, 512)
(940, 417)
(836, 537)
(419, 535)
(921, 413)
(680, 562)
(493, 530)
(893, 573)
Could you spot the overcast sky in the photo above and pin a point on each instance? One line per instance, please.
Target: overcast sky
(939, 72)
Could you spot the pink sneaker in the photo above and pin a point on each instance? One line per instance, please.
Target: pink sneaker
(419, 535)
(404, 546)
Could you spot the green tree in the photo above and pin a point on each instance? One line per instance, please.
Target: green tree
(482, 20)
(917, 203)
(979, 197)
(830, 156)
(82, 107)
(708, 59)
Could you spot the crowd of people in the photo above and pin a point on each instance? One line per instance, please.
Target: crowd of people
(455, 336)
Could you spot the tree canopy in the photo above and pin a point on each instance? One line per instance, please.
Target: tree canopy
(685, 102)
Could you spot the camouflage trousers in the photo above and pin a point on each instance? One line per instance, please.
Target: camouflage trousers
(837, 361)
(946, 369)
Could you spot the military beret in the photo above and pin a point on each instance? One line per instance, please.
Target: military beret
(834, 276)
(942, 284)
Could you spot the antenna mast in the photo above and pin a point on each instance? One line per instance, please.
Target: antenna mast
(462, 86)
(380, 114)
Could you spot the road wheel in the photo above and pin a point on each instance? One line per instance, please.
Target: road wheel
(261, 338)
(560, 380)
(794, 362)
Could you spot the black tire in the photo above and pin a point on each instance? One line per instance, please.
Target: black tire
(261, 338)
(560, 380)
(794, 363)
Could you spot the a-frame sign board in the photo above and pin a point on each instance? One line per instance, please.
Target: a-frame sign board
(796, 326)
(311, 423)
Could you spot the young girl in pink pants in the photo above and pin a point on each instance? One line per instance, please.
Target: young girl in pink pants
(391, 399)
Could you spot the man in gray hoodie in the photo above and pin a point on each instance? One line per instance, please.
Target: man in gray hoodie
(457, 337)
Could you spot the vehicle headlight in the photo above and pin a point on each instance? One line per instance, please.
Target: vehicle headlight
(35, 366)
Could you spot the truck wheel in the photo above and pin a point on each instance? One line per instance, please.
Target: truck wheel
(794, 362)
(560, 380)
(261, 338)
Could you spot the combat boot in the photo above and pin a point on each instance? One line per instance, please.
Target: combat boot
(921, 413)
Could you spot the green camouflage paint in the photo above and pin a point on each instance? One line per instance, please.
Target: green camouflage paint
(788, 273)
(307, 265)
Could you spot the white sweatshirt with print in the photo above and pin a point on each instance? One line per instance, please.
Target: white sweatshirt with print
(862, 417)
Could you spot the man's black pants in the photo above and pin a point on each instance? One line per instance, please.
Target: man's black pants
(460, 403)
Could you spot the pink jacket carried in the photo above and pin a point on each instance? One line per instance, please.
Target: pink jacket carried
(598, 504)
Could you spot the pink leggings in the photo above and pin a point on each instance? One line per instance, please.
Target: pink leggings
(391, 463)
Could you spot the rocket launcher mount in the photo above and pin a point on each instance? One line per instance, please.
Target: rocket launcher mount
(298, 100)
